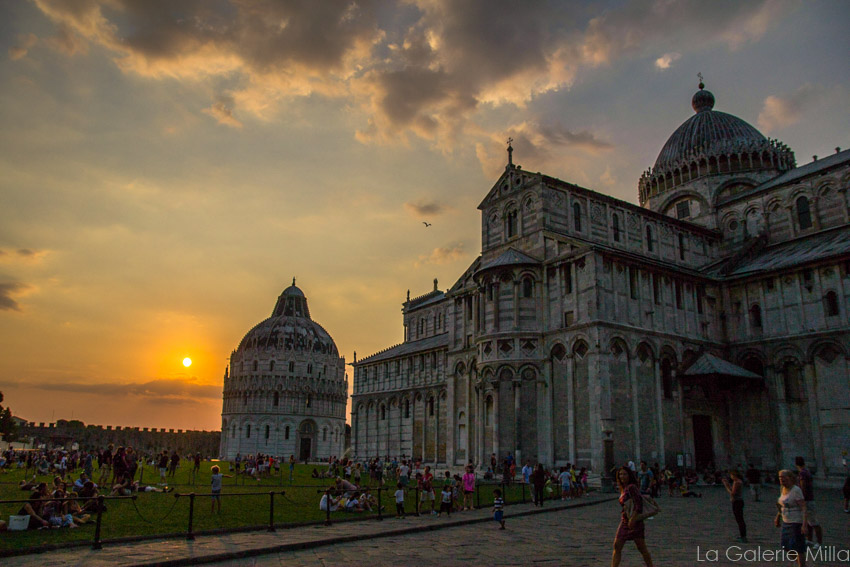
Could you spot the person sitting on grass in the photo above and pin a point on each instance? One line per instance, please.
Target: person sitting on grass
(35, 508)
(28, 485)
(353, 503)
(328, 501)
(215, 488)
(80, 483)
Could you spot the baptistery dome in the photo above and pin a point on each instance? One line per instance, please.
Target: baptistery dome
(708, 144)
(285, 390)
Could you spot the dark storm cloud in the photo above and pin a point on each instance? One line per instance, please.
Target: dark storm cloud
(557, 134)
(7, 289)
(427, 76)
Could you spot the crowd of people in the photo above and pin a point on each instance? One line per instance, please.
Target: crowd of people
(796, 509)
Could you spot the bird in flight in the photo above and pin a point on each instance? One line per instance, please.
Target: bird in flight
(427, 224)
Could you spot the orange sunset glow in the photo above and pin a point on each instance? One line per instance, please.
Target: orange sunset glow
(166, 169)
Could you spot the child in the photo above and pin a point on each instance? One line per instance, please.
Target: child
(215, 489)
(446, 500)
(498, 508)
(399, 501)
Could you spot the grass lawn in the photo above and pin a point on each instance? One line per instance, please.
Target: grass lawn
(159, 514)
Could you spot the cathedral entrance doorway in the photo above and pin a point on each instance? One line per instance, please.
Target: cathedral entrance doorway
(304, 453)
(703, 441)
(305, 444)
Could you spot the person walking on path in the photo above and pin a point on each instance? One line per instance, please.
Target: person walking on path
(631, 527)
(499, 508)
(807, 486)
(791, 516)
(735, 487)
(754, 478)
(291, 467)
(468, 481)
(538, 483)
(215, 488)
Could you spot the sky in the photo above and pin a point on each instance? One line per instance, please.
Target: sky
(167, 168)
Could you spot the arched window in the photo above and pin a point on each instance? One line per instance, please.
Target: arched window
(267, 432)
(309, 401)
(325, 434)
(649, 242)
(276, 399)
(755, 316)
(271, 366)
(286, 433)
(527, 287)
(245, 399)
(406, 409)
(830, 304)
(248, 431)
(430, 406)
(615, 220)
(681, 246)
(804, 215)
(511, 224)
(383, 413)
(256, 365)
(309, 369)
(577, 217)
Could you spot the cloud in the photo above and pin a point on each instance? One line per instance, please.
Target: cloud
(442, 255)
(779, 112)
(25, 43)
(665, 61)
(160, 389)
(222, 111)
(22, 255)
(424, 208)
(417, 67)
(67, 41)
(7, 290)
(607, 178)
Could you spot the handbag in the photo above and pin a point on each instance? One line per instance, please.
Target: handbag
(650, 509)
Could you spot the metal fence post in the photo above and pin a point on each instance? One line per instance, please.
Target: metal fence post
(328, 508)
(380, 515)
(189, 535)
(271, 511)
(96, 543)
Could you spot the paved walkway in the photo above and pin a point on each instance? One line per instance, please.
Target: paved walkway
(688, 532)
(211, 548)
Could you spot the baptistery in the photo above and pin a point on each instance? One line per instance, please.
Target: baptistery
(285, 390)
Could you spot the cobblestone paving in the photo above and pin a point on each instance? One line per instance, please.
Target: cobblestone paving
(584, 536)
(687, 532)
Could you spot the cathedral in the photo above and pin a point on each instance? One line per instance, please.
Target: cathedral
(706, 327)
(285, 390)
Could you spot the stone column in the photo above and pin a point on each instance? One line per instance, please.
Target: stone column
(545, 441)
(517, 391)
(633, 366)
(480, 397)
(451, 417)
(436, 427)
(516, 304)
(814, 415)
(659, 412)
(571, 407)
(496, 419)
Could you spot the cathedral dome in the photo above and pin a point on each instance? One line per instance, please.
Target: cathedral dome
(290, 328)
(708, 132)
(712, 143)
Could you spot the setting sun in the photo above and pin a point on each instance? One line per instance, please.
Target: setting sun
(187, 362)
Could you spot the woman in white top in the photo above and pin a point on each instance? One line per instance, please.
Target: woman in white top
(791, 515)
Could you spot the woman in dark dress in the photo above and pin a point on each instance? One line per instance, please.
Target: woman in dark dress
(630, 529)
